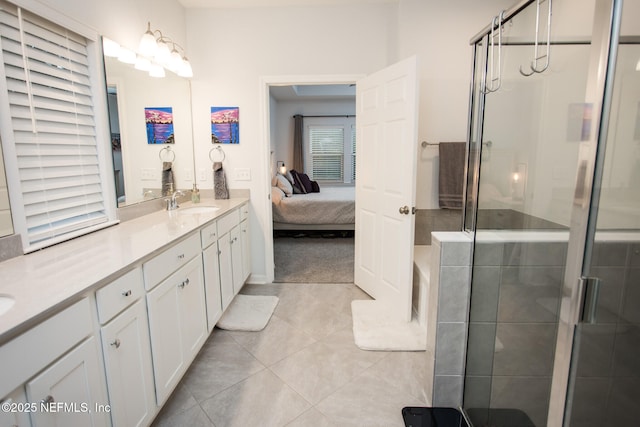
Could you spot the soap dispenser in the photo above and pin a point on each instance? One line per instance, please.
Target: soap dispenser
(195, 194)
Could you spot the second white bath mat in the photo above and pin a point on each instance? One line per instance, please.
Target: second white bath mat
(375, 329)
(248, 313)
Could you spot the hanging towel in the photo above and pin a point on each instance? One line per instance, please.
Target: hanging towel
(219, 182)
(168, 183)
(451, 174)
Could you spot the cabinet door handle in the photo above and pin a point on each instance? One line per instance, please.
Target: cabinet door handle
(47, 400)
(116, 343)
(219, 252)
(181, 285)
(181, 256)
(126, 293)
(212, 235)
(186, 282)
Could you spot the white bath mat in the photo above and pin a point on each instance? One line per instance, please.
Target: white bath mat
(375, 329)
(248, 313)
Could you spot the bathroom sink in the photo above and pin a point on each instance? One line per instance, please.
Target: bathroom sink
(6, 302)
(198, 209)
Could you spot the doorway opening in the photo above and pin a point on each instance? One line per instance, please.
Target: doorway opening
(314, 98)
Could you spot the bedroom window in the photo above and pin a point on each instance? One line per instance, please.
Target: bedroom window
(52, 133)
(330, 149)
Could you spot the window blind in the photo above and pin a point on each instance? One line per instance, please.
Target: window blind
(49, 97)
(353, 153)
(326, 146)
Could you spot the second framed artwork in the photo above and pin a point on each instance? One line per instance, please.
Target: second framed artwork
(225, 125)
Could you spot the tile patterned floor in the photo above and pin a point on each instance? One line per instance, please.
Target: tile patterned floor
(303, 369)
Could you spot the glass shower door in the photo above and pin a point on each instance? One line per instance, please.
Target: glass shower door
(604, 388)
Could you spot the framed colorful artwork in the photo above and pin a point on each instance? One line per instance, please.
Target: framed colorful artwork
(225, 125)
(159, 121)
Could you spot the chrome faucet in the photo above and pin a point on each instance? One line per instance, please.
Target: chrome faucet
(172, 203)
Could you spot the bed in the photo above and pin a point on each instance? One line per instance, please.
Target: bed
(333, 208)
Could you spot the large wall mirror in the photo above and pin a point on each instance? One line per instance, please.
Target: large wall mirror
(138, 165)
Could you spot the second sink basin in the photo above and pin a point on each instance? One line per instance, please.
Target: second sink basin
(6, 302)
(198, 209)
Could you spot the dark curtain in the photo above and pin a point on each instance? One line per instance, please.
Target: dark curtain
(298, 162)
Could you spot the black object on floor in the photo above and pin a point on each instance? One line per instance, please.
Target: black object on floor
(432, 417)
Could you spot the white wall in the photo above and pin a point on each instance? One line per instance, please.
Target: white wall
(439, 32)
(231, 49)
(121, 20)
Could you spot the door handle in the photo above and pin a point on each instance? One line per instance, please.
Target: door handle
(404, 210)
(591, 286)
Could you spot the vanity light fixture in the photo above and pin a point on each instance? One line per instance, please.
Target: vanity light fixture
(164, 51)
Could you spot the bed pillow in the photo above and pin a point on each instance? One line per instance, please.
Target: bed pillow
(276, 195)
(315, 187)
(298, 182)
(305, 182)
(292, 180)
(284, 184)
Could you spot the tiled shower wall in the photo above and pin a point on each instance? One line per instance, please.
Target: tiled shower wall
(512, 330)
(428, 220)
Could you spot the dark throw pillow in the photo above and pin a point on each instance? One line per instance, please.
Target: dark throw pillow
(306, 182)
(315, 188)
(298, 182)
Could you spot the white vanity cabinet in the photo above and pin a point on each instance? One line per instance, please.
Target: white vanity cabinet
(57, 363)
(127, 350)
(13, 413)
(71, 390)
(177, 323)
(210, 259)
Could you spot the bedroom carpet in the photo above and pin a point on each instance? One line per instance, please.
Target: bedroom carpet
(313, 259)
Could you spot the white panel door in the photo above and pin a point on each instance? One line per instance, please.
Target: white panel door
(386, 121)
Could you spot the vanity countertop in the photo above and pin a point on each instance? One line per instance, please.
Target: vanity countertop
(43, 282)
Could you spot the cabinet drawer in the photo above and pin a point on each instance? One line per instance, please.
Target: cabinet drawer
(170, 260)
(119, 294)
(209, 234)
(228, 221)
(244, 211)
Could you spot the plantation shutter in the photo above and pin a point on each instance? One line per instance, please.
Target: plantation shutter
(326, 145)
(353, 153)
(47, 87)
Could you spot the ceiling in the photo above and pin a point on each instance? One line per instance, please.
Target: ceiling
(313, 92)
(224, 4)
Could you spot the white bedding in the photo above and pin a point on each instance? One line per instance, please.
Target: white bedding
(332, 205)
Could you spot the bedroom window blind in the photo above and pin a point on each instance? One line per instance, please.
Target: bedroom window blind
(326, 147)
(49, 130)
(330, 149)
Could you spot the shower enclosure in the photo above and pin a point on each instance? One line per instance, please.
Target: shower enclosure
(553, 200)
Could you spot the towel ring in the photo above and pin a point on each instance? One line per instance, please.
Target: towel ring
(171, 155)
(212, 151)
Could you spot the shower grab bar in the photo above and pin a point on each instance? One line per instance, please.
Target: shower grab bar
(536, 46)
(495, 77)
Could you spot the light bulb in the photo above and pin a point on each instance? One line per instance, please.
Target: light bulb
(163, 53)
(156, 71)
(110, 48)
(142, 64)
(185, 69)
(148, 45)
(175, 61)
(127, 56)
